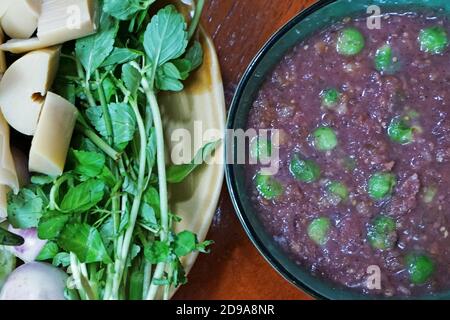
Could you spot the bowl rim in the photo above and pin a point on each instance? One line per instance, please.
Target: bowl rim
(232, 187)
(229, 168)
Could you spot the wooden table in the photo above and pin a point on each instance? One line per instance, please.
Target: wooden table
(234, 269)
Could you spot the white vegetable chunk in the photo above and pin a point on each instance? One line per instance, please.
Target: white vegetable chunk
(59, 22)
(21, 18)
(52, 139)
(35, 281)
(32, 246)
(24, 86)
(4, 5)
(65, 20)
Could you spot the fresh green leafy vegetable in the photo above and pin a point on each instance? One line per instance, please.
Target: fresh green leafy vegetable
(92, 51)
(123, 122)
(107, 216)
(177, 173)
(89, 164)
(85, 241)
(25, 209)
(51, 224)
(49, 251)
(120, 56)
(166, 37)
(83, 197)
(126, 9)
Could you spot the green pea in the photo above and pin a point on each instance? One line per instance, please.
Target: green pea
(401, 131)
(318, 230)
(385, 60)
(382, 233)
(268, 186)
(350, 42)
(330, 97)
(433, 40)
(260, 149)
(338, 189)
(325, 139)
(429, 194)
(420, 268)
(381, 185)
(304, 170)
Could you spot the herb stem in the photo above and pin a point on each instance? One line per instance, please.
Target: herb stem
(82, 284)
(104, 104)
(161, 164)
(86, 85)
(106, 148)
(196, 19)
(121, 261)
(161, 158)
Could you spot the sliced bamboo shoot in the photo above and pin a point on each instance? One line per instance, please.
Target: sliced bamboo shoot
(24, 86)
(60, 21)
(52, 139)
(8, 173)
(65, 20)
(20, 19)
(24, 45)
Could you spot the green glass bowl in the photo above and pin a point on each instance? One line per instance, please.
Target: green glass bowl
(315, 18)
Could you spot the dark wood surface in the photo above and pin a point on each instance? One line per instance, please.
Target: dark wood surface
(234, 269)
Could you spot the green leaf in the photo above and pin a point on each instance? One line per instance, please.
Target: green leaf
(85, 241)
(42, 180)
(51, 224)
(157, 252)
(185, 243)
(49, 251)
(87, 145)
(129, 186)
(151, 148)
(177, 173)
(93, 50)
(10, 239)
(107, 176)
(179, 274)
(89, 164)
(121, 56)
(125, 9)
(148, 217)
(131, 78)
(25, 209)
(124, 221)
(134, 252)
(165, 38)
(151, 196)
(109, 89)
(123, 122)
(61, 259)
(107, 230)
(184, 67)
(168, 78)
(83, 197)
(195, 55)
(203, 247)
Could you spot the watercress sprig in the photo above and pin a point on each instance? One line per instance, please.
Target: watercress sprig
(107, 217)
